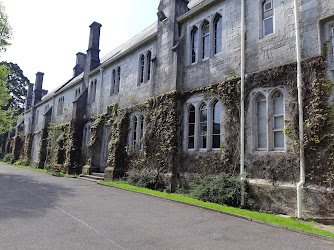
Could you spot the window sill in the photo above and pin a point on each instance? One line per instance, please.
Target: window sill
(267, 36)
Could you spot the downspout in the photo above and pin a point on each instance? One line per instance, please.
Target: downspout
(300, 108)
(242, 102)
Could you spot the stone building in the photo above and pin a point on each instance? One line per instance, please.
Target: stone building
(169, 100)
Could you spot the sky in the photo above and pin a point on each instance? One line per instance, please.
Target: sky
(48, 34)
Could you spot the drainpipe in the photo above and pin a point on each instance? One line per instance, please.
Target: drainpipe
(300, 108)
(242, 115)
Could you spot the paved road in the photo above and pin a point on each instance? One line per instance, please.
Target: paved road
(40, 211)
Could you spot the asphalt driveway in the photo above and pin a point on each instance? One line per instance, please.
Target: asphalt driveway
(40, 211)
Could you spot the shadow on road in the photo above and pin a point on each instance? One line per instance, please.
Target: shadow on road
(29, 194)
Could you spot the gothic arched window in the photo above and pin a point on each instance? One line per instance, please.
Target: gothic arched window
(205, 39)
(218, 29)
(194, 44)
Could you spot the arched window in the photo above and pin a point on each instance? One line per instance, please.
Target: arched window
(134, 134)
(205, 39)
(113, 81)
(203, 126)
(118, 78)
(191, 127)
(278, 120)
(142, 68)
(261, 114)
(148, 65)
(141, 132)
(218, 29)
(194, 44)
(216, 125)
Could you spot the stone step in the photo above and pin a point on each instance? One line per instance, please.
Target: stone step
(98, 174)
(88, 179)
(94, 177)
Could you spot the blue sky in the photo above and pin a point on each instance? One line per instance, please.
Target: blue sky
(48, 34)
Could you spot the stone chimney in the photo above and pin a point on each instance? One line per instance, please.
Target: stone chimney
(93, 59)
(38, 91)
(28, 101)
(80, 64)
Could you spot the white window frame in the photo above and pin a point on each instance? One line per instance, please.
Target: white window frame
(204, 36)
(270, 118)
(197, 101)
(136, 135)
(194, 45)
(60, 107)
(115, 80)
(215, 33)
(264, 18)
(145, 67)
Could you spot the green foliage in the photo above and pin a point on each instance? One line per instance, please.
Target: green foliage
(60, 141)
(96, 129)
(6, 114)
(224, 189)
(7, 158)
(17, 84)
(21, 163)
(275, 219)
(144, 177)
(5, 29)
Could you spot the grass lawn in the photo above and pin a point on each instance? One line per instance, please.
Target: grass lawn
(275, 219)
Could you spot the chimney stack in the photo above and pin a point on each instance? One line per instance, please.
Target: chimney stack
(28, 101)
(80, 64)
(93, 59)
(38, 91)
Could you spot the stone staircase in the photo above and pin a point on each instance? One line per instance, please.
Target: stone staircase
(96, 177)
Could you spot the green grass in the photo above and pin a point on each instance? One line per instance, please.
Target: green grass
(287, 222)
(38, 169)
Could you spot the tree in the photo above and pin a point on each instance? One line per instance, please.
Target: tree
(6, 113)
(17, 83)
(5, 29)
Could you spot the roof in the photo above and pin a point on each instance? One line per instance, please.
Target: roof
(131, 44)
(136, 41)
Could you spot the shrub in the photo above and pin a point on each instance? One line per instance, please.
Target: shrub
(142, 178)
(21, 163)
(225, 190)
(7, 158)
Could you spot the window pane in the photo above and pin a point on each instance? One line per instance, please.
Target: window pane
(262, 124)
(218, 34)
(148, 66)
(278, 139)
(216, 141)
(194, 39)
(202, 143)
(216, 112)
(191, 129)
(204, 114)
(278, 104)
(278, 122)
(261, 107)
(268, 26)
(191, 142)
(216, 128)
(192, 114)
(262, 140)
(206, 40)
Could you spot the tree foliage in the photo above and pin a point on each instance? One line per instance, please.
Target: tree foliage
(6, 118)
(6, 113)
(5, 29)
(17, 83)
